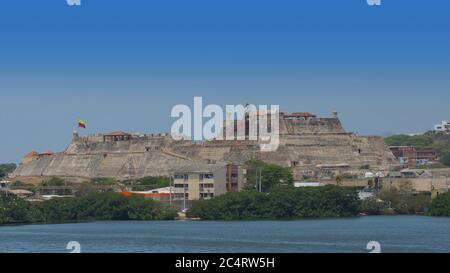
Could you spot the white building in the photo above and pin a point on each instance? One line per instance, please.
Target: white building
(5, 185)
(308, 184)
(443, 127)
(366, 194)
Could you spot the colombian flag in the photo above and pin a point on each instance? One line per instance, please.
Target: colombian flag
(82, 124)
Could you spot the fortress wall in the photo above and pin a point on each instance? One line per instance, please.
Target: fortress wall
(34, 168)
(309, 126)
(130, 159)
(303, 143)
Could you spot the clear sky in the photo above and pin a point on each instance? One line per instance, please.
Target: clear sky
(123, 64)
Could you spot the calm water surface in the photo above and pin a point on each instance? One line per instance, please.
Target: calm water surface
(395, 234)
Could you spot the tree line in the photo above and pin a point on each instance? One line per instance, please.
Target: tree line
(5, 169)
(97, 206)
(280, 203)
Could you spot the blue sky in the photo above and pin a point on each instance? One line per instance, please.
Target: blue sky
(123, 64)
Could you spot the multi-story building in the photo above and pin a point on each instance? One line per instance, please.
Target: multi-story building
(200, 181)
(443, 127)
(413, 156)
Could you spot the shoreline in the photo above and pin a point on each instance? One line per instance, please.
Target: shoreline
(218, 221)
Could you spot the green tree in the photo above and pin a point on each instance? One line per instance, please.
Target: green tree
(445, 159)
(98, 206)
(404, 200)
(406, 140)
(54, 181)
(149, 183)
(279, 203)
(104, 181)
(23, 186)
(271, 176)
(372, 206)
(5, 169)
(13, 210)
(440, 206)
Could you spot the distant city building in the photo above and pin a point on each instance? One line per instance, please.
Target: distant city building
(414, 156)
(200, 181)
(19, 193)
(366, 194)
(5, 184)
(443, 127)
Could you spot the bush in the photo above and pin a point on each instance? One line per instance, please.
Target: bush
(406, 140)
(445, 159)
(13, 210)
(99, 206)
(103, 206)
(5, 169)
(280, 203)
(271, 176)
(231, 206)
(104, 181)
(23, 186)
(403, 201)
(365, 167)
(371, 206)
(149, 182)
(440, 206)
(54, 181)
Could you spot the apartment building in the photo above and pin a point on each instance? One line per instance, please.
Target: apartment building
(199, 181)
(443, 127)
(413, 156)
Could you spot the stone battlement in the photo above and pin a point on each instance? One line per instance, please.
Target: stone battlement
(307, 144)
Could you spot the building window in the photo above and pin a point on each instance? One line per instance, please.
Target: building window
(179, 176)
(181, 196)
(206, 187)
(206, 195)
(208, 175)
(180, 186)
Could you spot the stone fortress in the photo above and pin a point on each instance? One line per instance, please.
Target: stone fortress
(313, 147)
